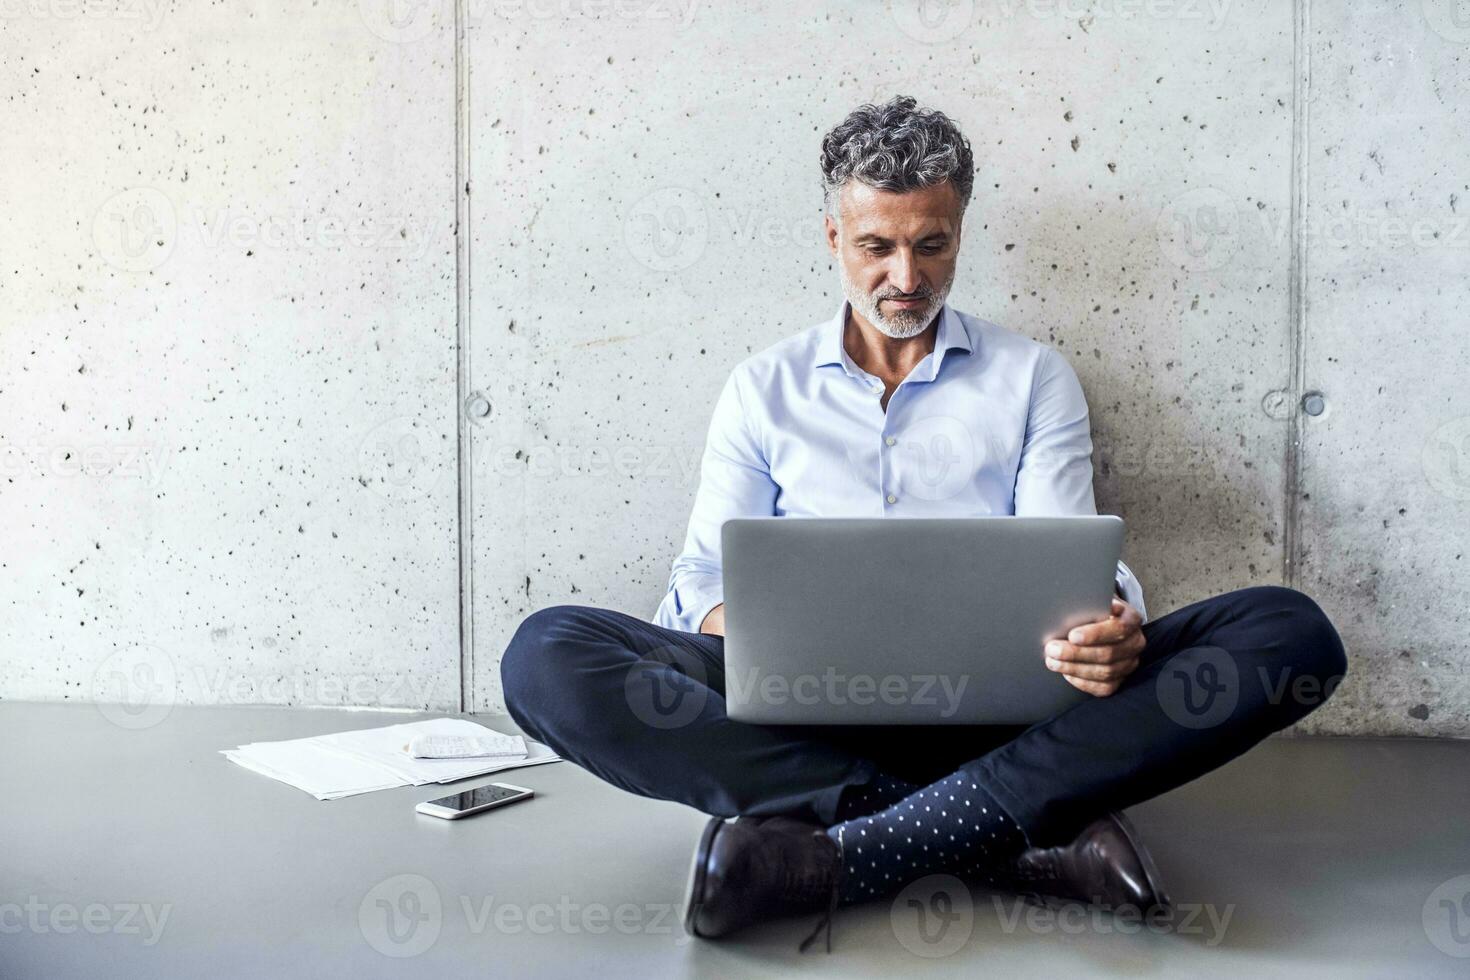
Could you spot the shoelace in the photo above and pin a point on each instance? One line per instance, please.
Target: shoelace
(826, 921)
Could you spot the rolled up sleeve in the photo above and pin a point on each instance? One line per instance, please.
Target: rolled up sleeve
(734, 481)
(1054, 477)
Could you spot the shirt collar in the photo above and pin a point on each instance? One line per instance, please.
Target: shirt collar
(953, 333)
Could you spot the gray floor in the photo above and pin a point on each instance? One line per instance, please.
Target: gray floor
(1308, 858)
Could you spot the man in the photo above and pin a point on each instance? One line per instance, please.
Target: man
(833, 422)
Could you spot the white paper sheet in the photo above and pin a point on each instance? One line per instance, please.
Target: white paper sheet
(342, 764)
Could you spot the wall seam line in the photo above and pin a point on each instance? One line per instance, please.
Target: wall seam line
(464, 444)
(1300, 131)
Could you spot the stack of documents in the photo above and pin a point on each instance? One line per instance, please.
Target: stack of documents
(348, 763)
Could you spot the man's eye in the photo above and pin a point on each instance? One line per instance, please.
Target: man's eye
(876, 249)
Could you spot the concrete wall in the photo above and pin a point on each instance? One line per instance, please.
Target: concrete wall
(1157, 192)
(227, 371)
(1384, 500)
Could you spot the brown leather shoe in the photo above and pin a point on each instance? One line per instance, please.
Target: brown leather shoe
(753, 869)
(1106, 865)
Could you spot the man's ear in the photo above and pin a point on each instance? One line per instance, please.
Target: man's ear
(832, 236)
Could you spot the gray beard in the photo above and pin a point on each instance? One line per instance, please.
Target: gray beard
(903, 324)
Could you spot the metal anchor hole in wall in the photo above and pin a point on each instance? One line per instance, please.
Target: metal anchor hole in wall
(1276, 403)
(477, 407)
(1314, 403)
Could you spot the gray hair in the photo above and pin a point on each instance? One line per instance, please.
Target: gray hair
(896, 147)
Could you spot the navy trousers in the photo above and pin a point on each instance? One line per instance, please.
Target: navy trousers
(643, 707)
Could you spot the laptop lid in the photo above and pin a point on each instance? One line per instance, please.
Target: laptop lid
(908, 621)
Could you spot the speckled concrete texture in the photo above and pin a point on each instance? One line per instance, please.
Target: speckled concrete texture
(227, 372)
(1385, 490)
(228, 367)
(648, 212)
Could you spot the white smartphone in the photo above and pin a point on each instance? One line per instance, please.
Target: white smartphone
(476, 800)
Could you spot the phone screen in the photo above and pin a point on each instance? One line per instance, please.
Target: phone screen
(472, 798)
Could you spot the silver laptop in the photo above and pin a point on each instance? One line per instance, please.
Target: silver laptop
(912, 621)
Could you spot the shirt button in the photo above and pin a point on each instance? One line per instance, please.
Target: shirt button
(890, 440)
(892, 499)
(877, 388)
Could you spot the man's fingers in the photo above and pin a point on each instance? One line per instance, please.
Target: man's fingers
(1095, 688)
(1094, 634)
(1091, 672)
(1126, 612)
(1124, 620)
(1072, 653)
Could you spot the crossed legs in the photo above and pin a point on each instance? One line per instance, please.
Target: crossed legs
(643, 707)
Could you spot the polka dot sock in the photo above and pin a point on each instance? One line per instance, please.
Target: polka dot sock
(870, 797)
(952, 826)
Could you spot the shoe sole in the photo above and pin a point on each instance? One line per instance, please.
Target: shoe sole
(1145, 859)
(694, 891)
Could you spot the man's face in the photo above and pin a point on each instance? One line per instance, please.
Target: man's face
(896, 253)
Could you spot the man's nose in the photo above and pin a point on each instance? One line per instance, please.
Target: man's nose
(903, 272)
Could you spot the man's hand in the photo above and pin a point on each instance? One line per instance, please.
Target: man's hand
(1098, 656)
(714, 621)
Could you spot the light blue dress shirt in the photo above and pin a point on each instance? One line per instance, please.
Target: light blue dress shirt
(990, 422)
